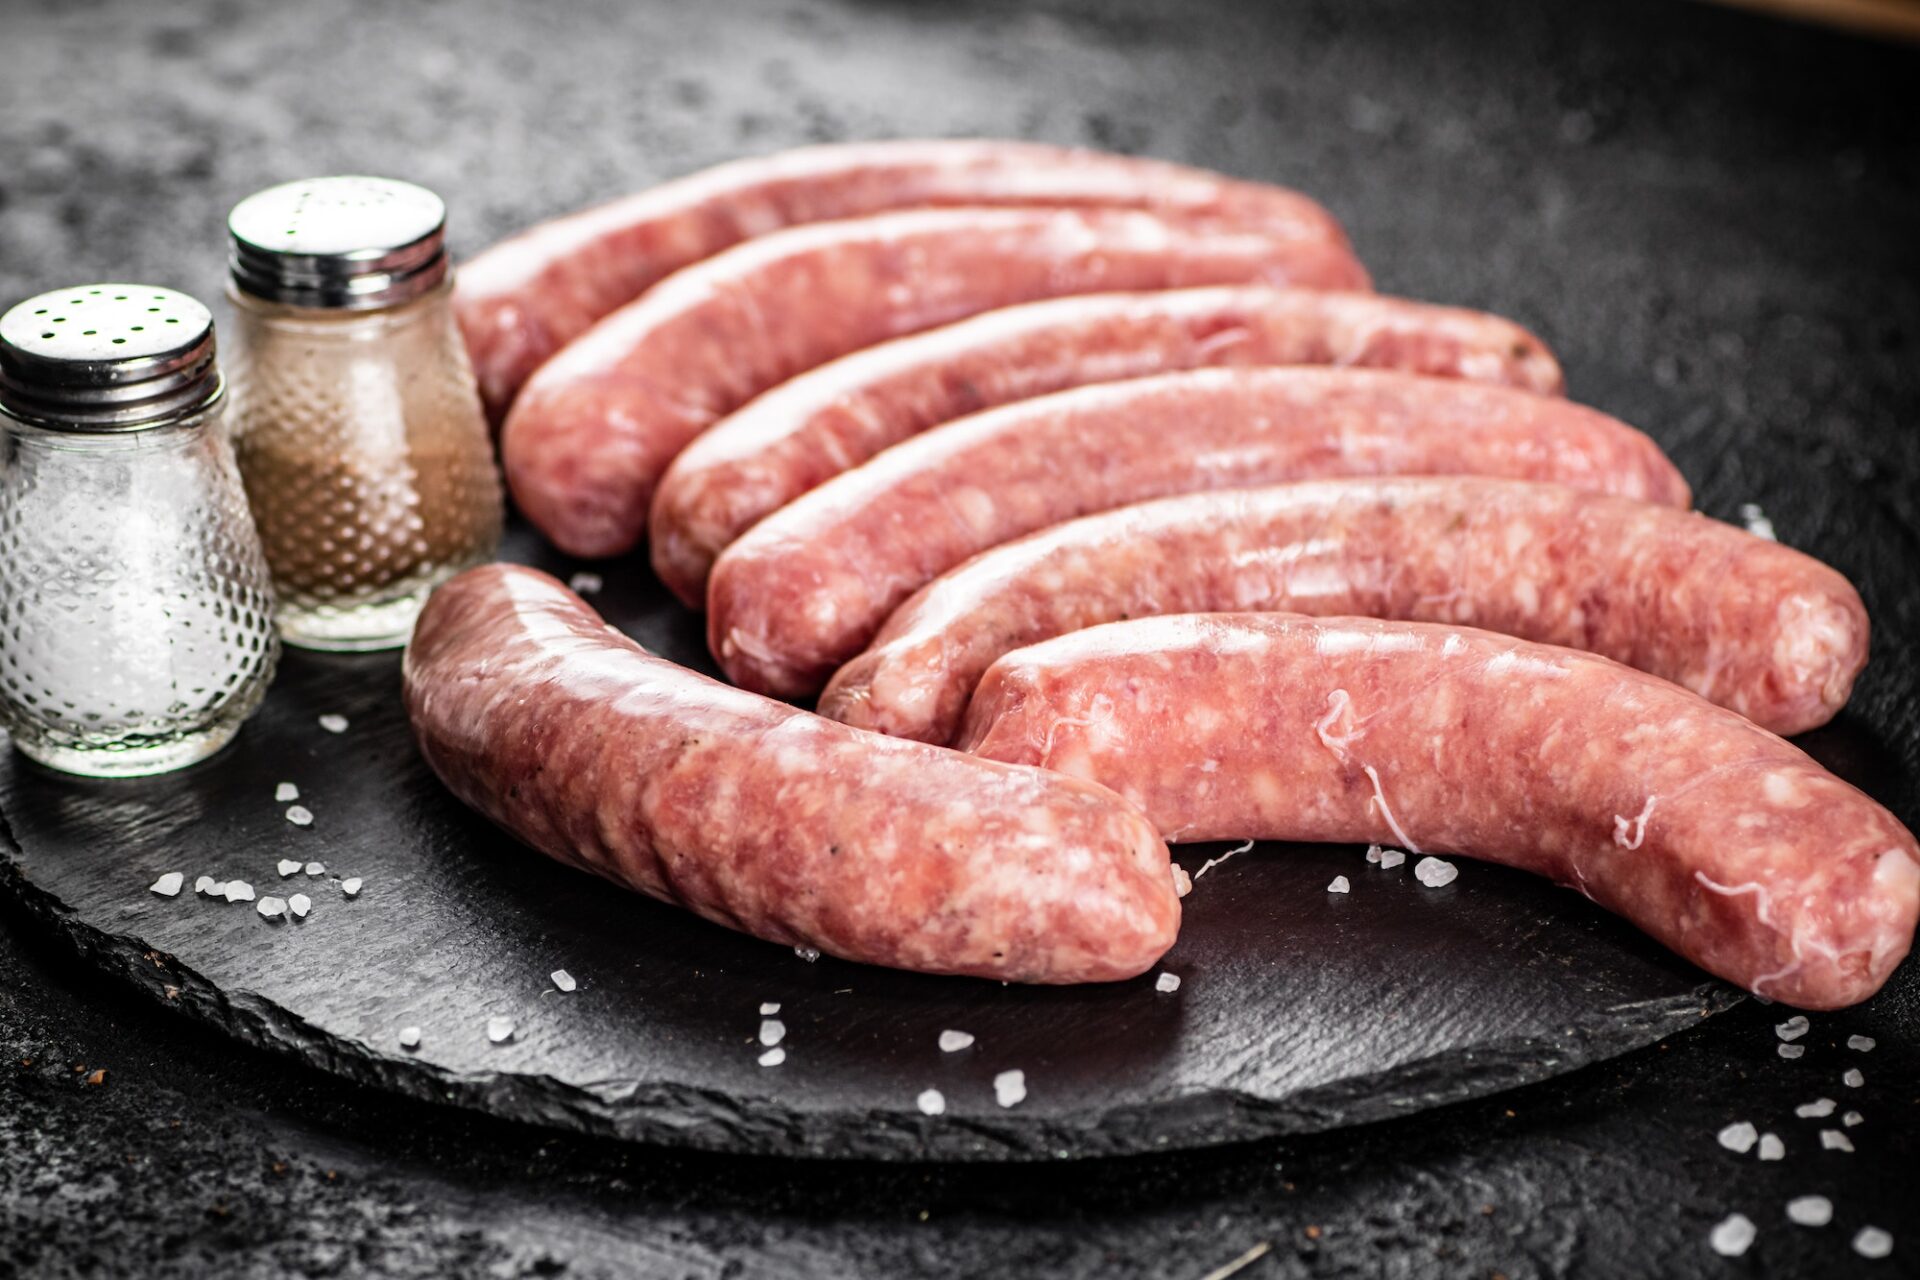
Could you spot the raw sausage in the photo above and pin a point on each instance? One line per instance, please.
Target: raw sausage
(805, 432)
(1724, 842)
(594, 428)
(1741, 621)
(804, 590)
(771, 820)
(528, 296)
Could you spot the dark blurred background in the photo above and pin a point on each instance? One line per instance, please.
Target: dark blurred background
(1714, 218)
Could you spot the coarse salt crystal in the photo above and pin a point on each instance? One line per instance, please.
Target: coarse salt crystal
(585, 583)
(300, 904)
(499, 1029)
(168, 885)
(207, 884)
(932, 1102)
(1739, 1137)
(1771, 1148)
(1861, 1044)
(769, 1007)
(286, 793)
(954, 1041)
(1733, 1235)
(1852, 1118)
(562, 979)
(299, 815)
(272, 908)
(1391, 858)
(1834, 1140)
(1793, 1028)
(409, 1037)
(809, 954)
(1010, 1088)
(316, 868)
(1435, 873)
(1790, 1050)
(1373, 853)
(333, 723)
(1812, 1110)
(773, 1057)
(1340, 885)
(351, 886)
(239, 891)
(772, 1031)
(1852, 1078)
(1756, 521)
(1810, 1211)
(286, 867)
(1872, 1242)
(1167, 983)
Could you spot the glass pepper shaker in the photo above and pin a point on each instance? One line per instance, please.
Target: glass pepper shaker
(136, 628)
(356, 420)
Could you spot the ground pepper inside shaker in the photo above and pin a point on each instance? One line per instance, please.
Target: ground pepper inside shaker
(356, 420)
(136, 628)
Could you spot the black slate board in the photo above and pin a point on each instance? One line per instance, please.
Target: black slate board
(1300, 1010)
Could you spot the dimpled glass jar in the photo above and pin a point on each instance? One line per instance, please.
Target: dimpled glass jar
(355, 417)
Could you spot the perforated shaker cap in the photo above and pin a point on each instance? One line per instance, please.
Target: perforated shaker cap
(347, 243)
(107, 357)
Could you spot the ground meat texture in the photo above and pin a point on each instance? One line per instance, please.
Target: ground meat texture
(592, 431)
(522, 300)
(807, 431)
(803, 591)
(768, 819)
(1754, 626)
(1720, 840)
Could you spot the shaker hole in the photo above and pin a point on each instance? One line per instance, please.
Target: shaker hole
(88, 333)
(118, 341)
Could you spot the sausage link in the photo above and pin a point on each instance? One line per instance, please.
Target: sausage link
(528, 296)
(771, 820)
(805, 432)
(1754, 626)
(591, 432)
(804, 590)
(1722, 841)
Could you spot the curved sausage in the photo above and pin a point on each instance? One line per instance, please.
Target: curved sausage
(808, 430)
(594, 428)
(771, 820)
(1724, 842)
(528, 296)
(1754, 626)
(804, 590)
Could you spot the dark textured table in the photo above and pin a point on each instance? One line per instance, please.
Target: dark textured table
(1715, 220)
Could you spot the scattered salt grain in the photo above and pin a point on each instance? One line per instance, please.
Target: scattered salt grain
(773, 1057)
(1852, 1118)
(300, 904)
(1810, 1211)
(1771, 1148)
(1340, 885)
(286, 793)
(207, 884)
(772, 1031)
(1815, 1109)
(286, 867)
(1733, 1235)
(409, 1037)
(1167, 983)
(563, 980)
(1790, 1050)
(499, 1030)
(955, 1041)
(239, 891)
(1861, 1044)
(272, 908)
(1756, 521)
(1872, 1242)
(1010, 1088)
(316, 868)
(1852, 1078)
(769, 1008)
(299, 815)
(932, 1102)
(1434, 873)
(1739, 1137)
(1834, 1140)
(168, 885)
(1391, 858)
(585, 583)
(1373, 854)
(809, 954)
(351, 887)
(1793, 1028)
(333, 723)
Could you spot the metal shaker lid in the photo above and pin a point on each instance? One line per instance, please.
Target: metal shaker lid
(347, 243)
(107, 357)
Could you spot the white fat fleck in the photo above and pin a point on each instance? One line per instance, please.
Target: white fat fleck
(955, 1041)
(1339, 708)
(1167, 983)
(299, 815)
(351, 886)
(1732, 1236)
(1010, 1088)
(333, 723)
(1380, 798)
(1815, 1109)
(168, 885)
(1756, 521)
(239, 891)
(562, 980)
(773, 1057)
(1211, 863)
(772, 1031)
(1872, 1242)
(1340, 885)
(584, 583)
(1834, 1140)
(409, 1037)
(769, 1007)
(1861, 1044)
(272, 908)
(499, 1029)
(1852, 1078)
(1771, 1148)
(1638, 826)
(1793, 1028)
(286, 793)
(300, 904)
(1739, 1137)
(1810, 1211)
(286, 867)
(931, 1102)
(1435, 873)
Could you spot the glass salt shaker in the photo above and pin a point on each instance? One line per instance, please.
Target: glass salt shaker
(136, 629)
(356, 420)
